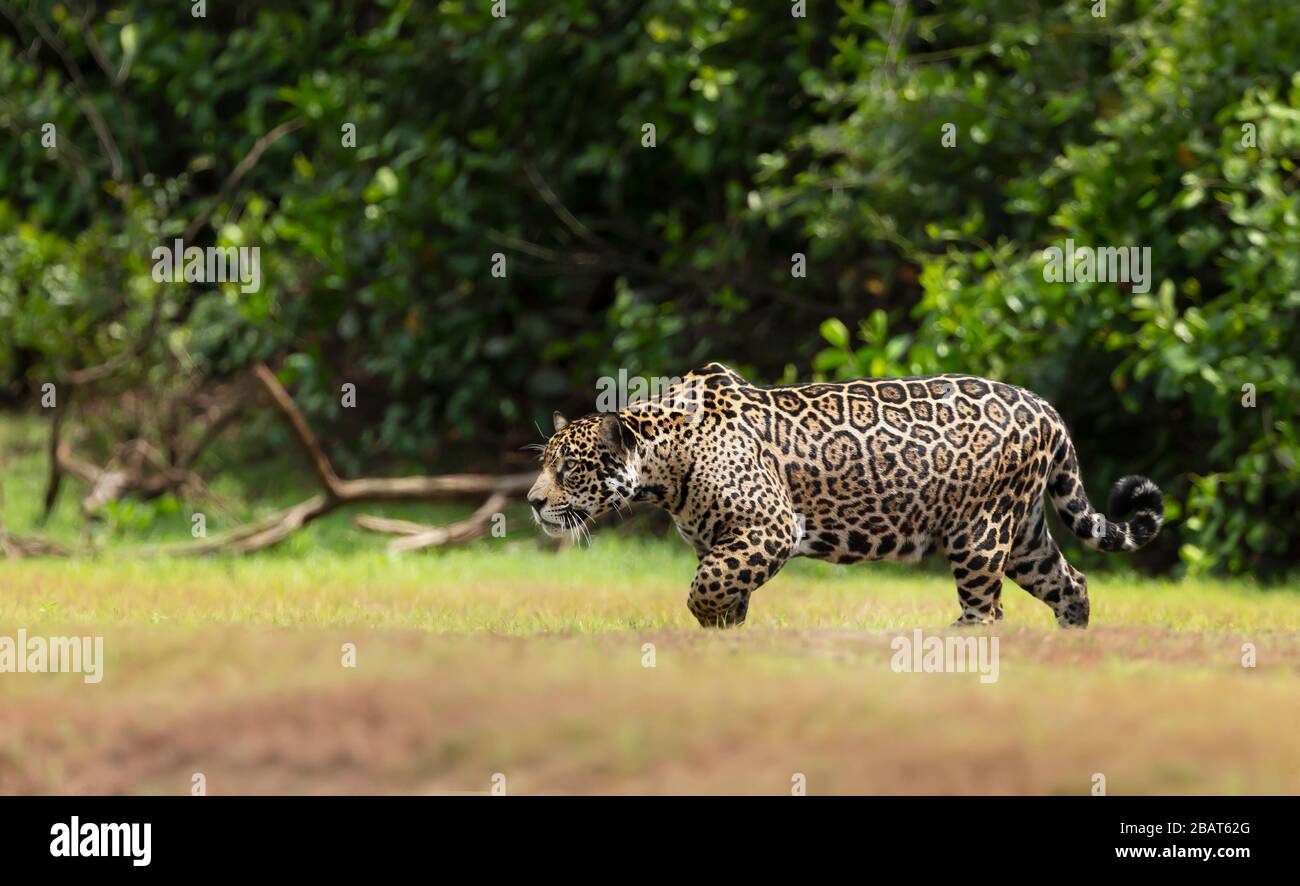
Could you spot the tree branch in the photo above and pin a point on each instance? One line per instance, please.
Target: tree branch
(418, 536)
(337, 492)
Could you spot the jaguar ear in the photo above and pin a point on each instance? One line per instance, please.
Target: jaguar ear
(559, 421)
(617, 435)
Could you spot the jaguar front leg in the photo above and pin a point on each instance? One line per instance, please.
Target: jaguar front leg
(734, 568)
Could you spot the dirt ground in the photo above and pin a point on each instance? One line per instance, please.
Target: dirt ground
(269, 710)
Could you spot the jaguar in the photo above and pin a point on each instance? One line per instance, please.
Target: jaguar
(870, 469)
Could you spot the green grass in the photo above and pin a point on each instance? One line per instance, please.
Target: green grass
(512, 586)
(506, 656)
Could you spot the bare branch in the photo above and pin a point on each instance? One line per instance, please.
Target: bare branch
(242, 169)
(298, 423)
(418, 536)
(337, 492)
(548, 196)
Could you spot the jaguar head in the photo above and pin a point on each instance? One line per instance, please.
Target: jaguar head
(588, 468)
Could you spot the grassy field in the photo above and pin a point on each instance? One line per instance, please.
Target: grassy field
(503, 657)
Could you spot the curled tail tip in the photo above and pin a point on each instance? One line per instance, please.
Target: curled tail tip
(1135, 494)
(1139, 496)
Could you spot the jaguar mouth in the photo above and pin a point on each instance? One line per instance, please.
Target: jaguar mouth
(571, 518)
(554, 530)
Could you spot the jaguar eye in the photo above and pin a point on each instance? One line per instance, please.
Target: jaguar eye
(562, 473)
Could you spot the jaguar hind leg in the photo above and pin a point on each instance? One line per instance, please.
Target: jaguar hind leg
(978, 558)
(1038, 566)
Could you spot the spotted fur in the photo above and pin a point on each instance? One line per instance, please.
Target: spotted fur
(862, 470)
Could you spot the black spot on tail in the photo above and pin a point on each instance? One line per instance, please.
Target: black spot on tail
(1133, 494)
(1140, 497)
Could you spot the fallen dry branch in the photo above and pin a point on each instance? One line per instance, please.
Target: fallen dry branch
(338, 492)
(136, 469)
(16, 546)
(417, 536)
(192, 420)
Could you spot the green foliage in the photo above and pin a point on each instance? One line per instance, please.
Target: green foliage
(775, 135)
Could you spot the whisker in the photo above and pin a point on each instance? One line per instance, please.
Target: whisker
(581, 523)
(622, 506)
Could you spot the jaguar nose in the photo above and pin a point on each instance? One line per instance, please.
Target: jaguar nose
(537, 503)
